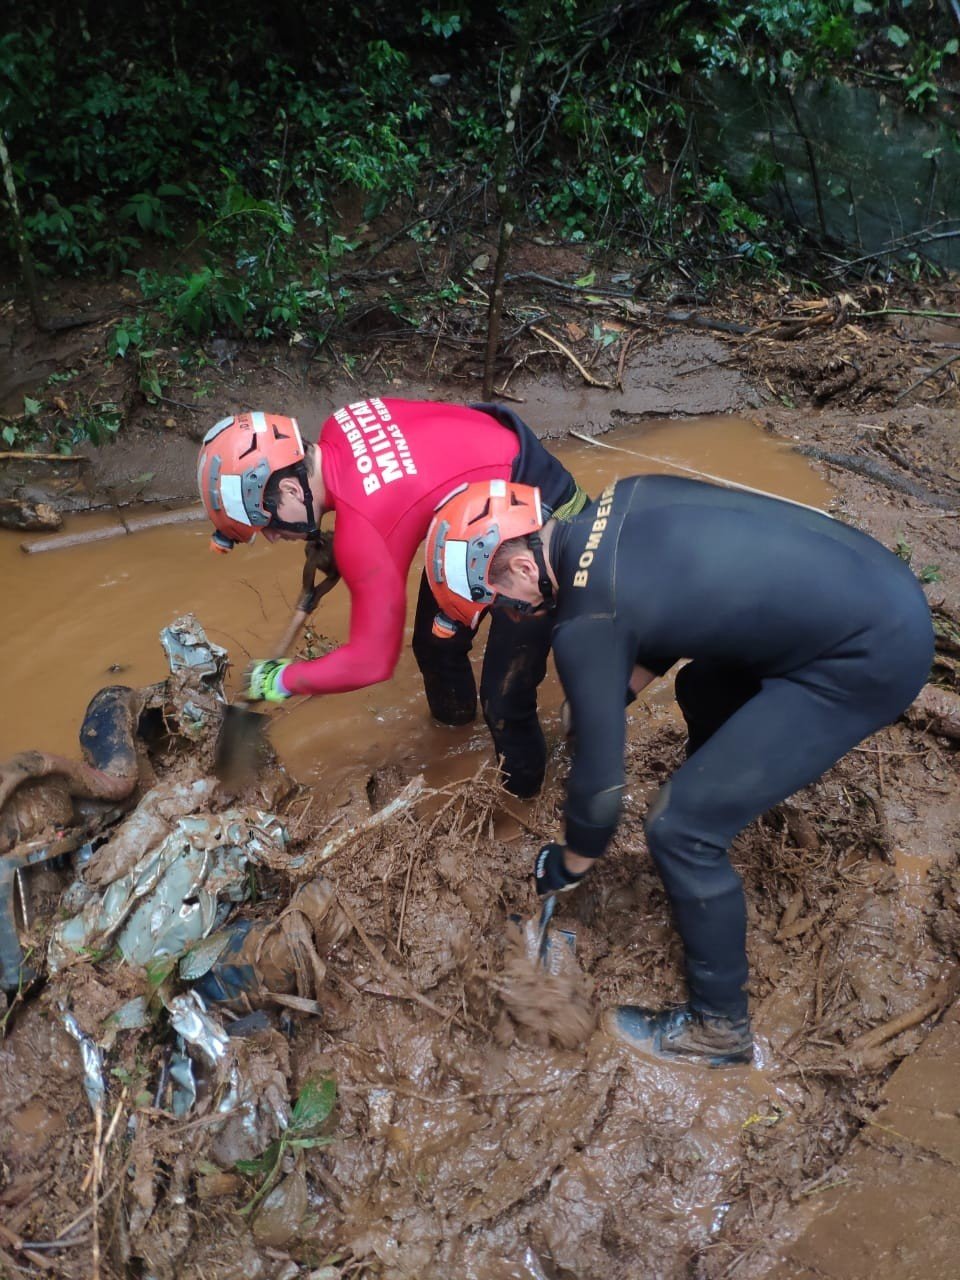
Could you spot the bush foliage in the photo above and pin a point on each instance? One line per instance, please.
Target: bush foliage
(227, 132)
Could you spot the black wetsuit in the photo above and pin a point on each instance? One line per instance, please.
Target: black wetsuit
(515, 658)
(805, 636)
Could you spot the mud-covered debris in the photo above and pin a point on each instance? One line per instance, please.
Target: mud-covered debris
(150, 822)
(281, 1202)
(252, 960)
(183, 1082)
(131, 1015)
(194, 1026)
(282, 1211)
(531, 1266)
(936, 709)
(39, 805)
(92, 1058)
(175, 893)
(213, 1186)
(188, 649)
(551, 1002)
(108, 771)
(253, 1099)
(189, 1018)
(62, 481)
(46, 810)
(15, 973)
(29, 516)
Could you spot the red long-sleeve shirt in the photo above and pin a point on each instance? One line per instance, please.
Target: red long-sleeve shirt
(386, 465)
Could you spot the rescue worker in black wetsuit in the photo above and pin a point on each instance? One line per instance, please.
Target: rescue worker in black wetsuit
(804, 636)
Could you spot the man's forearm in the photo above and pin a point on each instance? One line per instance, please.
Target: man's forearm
(352, 666)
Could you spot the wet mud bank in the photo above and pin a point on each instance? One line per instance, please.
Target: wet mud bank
(473, 1134)
(892, 1196)
(380, 1082)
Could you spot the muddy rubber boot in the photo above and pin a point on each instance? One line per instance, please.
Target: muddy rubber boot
(682, 1034)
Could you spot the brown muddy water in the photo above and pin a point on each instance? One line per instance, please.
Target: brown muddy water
(84, 617)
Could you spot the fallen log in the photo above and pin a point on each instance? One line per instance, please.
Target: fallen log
(872, 470)
(135, 524)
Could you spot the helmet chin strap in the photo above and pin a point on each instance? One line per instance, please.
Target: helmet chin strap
(544, 584)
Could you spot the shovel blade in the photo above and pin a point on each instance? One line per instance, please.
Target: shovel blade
(240, 745)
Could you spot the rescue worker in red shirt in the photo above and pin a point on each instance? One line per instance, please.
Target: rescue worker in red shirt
(382, 467)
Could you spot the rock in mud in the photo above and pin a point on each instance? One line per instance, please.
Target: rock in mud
(284, 1208)
(936, 709)
(28, 517)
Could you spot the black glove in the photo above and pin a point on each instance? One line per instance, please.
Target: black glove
(549, 873)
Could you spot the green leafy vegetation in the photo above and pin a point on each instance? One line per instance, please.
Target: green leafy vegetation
(311, 1111)
(44, 426)
(928, 572)
(218, 172)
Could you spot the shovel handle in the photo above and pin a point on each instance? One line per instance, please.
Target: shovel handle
(308, 601)
(293, 629)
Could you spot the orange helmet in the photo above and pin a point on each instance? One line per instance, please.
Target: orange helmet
(237, 458)
(464, 536)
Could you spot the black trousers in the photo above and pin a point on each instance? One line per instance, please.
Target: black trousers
(514, 664)
(754, 741)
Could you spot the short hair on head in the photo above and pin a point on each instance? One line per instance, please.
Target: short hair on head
(498, 565)
(271, 490)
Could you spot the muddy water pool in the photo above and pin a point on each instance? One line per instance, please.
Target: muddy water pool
(84, 617)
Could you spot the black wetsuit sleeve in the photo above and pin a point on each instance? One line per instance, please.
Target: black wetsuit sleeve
(536, 465)
(595, 693)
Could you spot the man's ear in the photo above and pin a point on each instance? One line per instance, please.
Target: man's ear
(290, 487)
(525, 566)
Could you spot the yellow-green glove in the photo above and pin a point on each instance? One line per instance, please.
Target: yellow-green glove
(261, 681)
